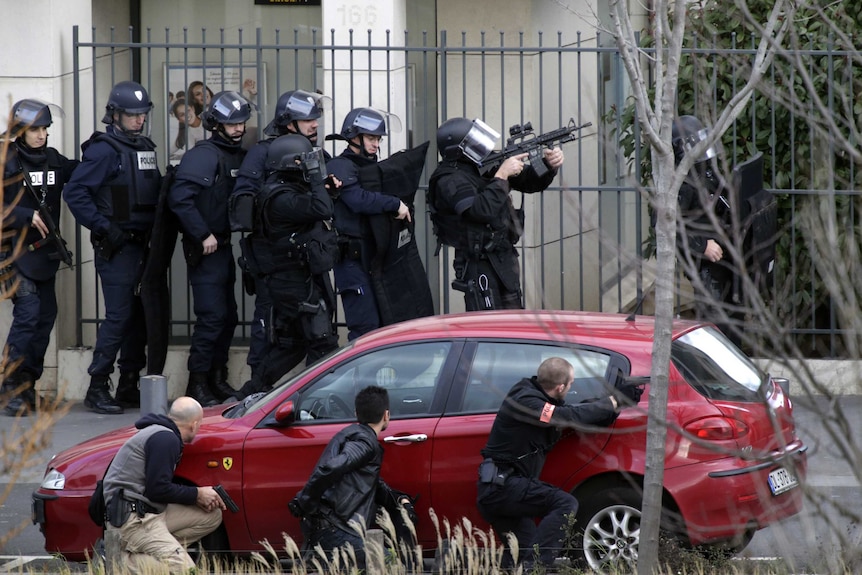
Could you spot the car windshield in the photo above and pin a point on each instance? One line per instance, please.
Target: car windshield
(715, 367)
(256, 400)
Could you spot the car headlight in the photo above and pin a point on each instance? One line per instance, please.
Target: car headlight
(54, 480)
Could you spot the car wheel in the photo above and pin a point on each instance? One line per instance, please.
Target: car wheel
(216, 544)
(608, 529)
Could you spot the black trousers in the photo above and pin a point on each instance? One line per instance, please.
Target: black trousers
(513, 507)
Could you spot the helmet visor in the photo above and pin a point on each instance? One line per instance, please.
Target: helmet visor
(689, 142)
(35, 113)
(370, 123)
(308, 108)
(479, 141)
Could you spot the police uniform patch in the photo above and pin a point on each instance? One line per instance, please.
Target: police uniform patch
(227, 463)
(547, 412)
(147, 160)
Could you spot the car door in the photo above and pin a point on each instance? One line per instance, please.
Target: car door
(486, 373)
(279, 460)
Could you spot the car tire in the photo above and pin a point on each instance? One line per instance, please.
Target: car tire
(216, 545)
(607, 531)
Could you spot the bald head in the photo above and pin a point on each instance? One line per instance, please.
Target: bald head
(187, 414)
(554, 372)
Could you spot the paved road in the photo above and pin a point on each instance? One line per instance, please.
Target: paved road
(807, 539)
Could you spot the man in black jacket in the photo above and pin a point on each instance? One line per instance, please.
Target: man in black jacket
(529, 423)
(345, 485)
(154, 517)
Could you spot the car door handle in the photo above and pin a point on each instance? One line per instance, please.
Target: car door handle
(415, 438)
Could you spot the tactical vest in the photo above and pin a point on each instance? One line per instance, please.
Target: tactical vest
(212, 204)
(131, 196)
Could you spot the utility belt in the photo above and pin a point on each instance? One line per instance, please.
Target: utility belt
(141, 508)
(140, 237)
(495, 473)
(120, 508)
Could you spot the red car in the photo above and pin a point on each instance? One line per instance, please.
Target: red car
(733, 460)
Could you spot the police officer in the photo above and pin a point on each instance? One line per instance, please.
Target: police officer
(363, 130)
(296, 112)
(33, 179)
(199, 197)
(113, 193)
(529, 423)
(292, 250)
(474, 213)
(699, 239)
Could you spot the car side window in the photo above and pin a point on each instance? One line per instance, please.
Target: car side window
(497, 366)
(410, 373)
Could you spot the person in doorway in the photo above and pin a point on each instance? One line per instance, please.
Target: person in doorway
(33, 179)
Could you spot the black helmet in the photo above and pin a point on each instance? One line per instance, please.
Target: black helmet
(31, 113)
(687, 132)
(226, 108)
(285, 150)
(127, 97)
(366, 121)
(474, 139)
(296, 105)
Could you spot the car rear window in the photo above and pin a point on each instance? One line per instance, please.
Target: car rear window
(715, 367)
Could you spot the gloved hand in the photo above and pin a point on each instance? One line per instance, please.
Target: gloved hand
(411, 511)
(295, 508)
(115, 237)
(628, 393)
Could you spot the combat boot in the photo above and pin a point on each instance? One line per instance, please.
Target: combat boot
(128, 389)
(198, 389)
(99, 398)
(19, 388)
(219, 386)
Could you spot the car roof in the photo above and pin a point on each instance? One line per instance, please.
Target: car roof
(589, 328)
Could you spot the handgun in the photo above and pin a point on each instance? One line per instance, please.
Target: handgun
(230, 503)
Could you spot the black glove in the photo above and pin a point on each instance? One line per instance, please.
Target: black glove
(109, 242)
(628, 393)
(295, 508)
(411, 511)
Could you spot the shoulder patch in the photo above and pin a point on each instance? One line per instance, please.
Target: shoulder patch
(547, 412)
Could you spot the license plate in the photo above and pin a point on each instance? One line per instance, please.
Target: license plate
(781, 480)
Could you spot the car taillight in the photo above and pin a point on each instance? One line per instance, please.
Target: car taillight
(717, 428)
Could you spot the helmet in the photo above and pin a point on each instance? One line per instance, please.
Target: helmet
(128, 97)
(285, 150)
(366, 121)
(687, 132)
(297, 105)
(458, 136)
(31, 113)
(226, 108)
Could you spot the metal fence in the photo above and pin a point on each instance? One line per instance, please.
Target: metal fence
(584, 237)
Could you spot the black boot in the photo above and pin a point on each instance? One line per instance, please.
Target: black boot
(99, 398)
(128, 389)
(198, 389)
(219, 386)
(19, 388)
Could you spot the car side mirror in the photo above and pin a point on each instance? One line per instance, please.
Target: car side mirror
(286, 413)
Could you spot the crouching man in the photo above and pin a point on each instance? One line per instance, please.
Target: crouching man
(153, 517)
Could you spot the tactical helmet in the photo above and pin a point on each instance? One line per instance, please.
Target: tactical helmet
(687, 132)
(31, 113)
(367, 121)
(296, 105)
(127, 97)
(285, 150)
(474, 139)
(226, 107)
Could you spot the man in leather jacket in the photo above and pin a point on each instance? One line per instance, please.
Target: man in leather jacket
(528, 425)
(473, 213)
(345, 484)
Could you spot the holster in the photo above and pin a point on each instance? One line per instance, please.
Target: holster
(315, 320)
(119, 510)
(490, 472)
(193, 251)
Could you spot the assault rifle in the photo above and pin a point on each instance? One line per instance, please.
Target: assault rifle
(524, 140)
(53, 236)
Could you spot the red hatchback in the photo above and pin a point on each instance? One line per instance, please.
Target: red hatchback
(733, 460)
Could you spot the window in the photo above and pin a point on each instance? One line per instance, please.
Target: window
(715, 367)
(410, 373)
(498, 366)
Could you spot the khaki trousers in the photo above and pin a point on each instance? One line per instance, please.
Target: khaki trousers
(156, 542)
